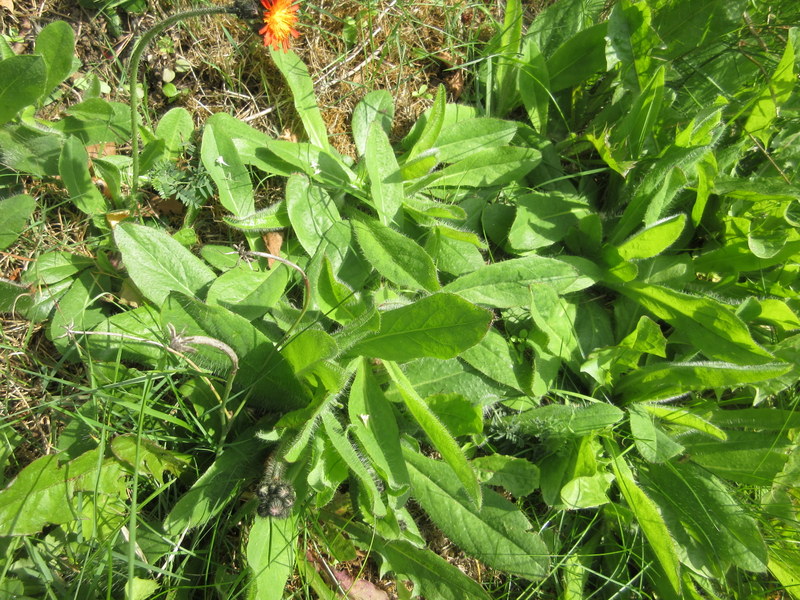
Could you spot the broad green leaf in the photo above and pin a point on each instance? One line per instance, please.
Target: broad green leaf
(507, 284)
(221, 159)
(29, 150)
(460, 415)
(579, 58)
(654, 239)
(544, 218)
(395, 256)
(311, 211)
(637, 128)
(776, 93)
(73, 166)
(711, 326)
(648, 516)
(271, 555)
(431, 575)
(560, 420)
(158, 264)
(662, 381)
(305, 102)
(175, 128)
(154, 460)
(377, 107)
(433, 376)
(440, 326)
(441, 439)
(533, 83)
(653, 443)
(468, 136)
(703, 513)
(56, 45)
(497, 533)
(262, 368)
(492, 166)
(632, 41)
(375, 426)
(50, 487)
(555, 316)
(452, 254)
(684, 418)
(332, 296)
(586, 491)
(746, 457)
(387, 197)
(220, 484)
(517, 475)
(248, 292)
(432, 127)
(494, 357)
(22, 83)
(574, 458)
(272, 218)
(784, 565)
(16, 211)
(14, 297)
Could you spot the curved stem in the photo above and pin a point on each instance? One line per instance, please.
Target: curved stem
(133, 74)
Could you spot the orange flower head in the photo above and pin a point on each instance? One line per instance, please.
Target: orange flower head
(279, 19)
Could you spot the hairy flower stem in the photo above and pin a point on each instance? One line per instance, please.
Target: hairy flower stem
(133, 73)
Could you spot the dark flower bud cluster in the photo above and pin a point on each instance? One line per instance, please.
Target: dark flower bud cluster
(276, 499)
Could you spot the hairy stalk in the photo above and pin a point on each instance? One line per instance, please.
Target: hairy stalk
(240, 9)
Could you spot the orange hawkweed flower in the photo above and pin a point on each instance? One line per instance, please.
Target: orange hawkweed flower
(279, 19)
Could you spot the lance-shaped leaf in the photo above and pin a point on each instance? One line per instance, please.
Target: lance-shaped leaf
(497, 533)
(159, 265)
(439, 326)
(438, 434)
(395, 256)
(270, 555)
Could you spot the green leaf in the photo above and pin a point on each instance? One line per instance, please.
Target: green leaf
(517, 475)
(709, 325)
(56, 45)
(305, 102)
(637, 127)
(73, 166)
(662, 381)
(272, 381)
(154, 460)
(158, 264)
(218, 485)
(497, 533)
(433, 125)
(441, 439)
(375, 427)
(652, 442)
(507, 52)
(387, 197)
(221, 159)
(544, 218)
(439, 326)
(507, 284)
(460, 415)
(22, 83)
(654, 239)
(50, 487)
(466, 137)
(579, 58)
(311, 211)
(649, 518)
(248, 292)
(16, 211)
(555, 316)
(684, 418)
(271, 554)
(705, 516)
(560, 420)
(775, 94)
(377, 107)
(175, 128)
(633, 41)
(344, 448)
(432, 576)
(494, 357)
(383, 247)
(533, 82)
(488, 167)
